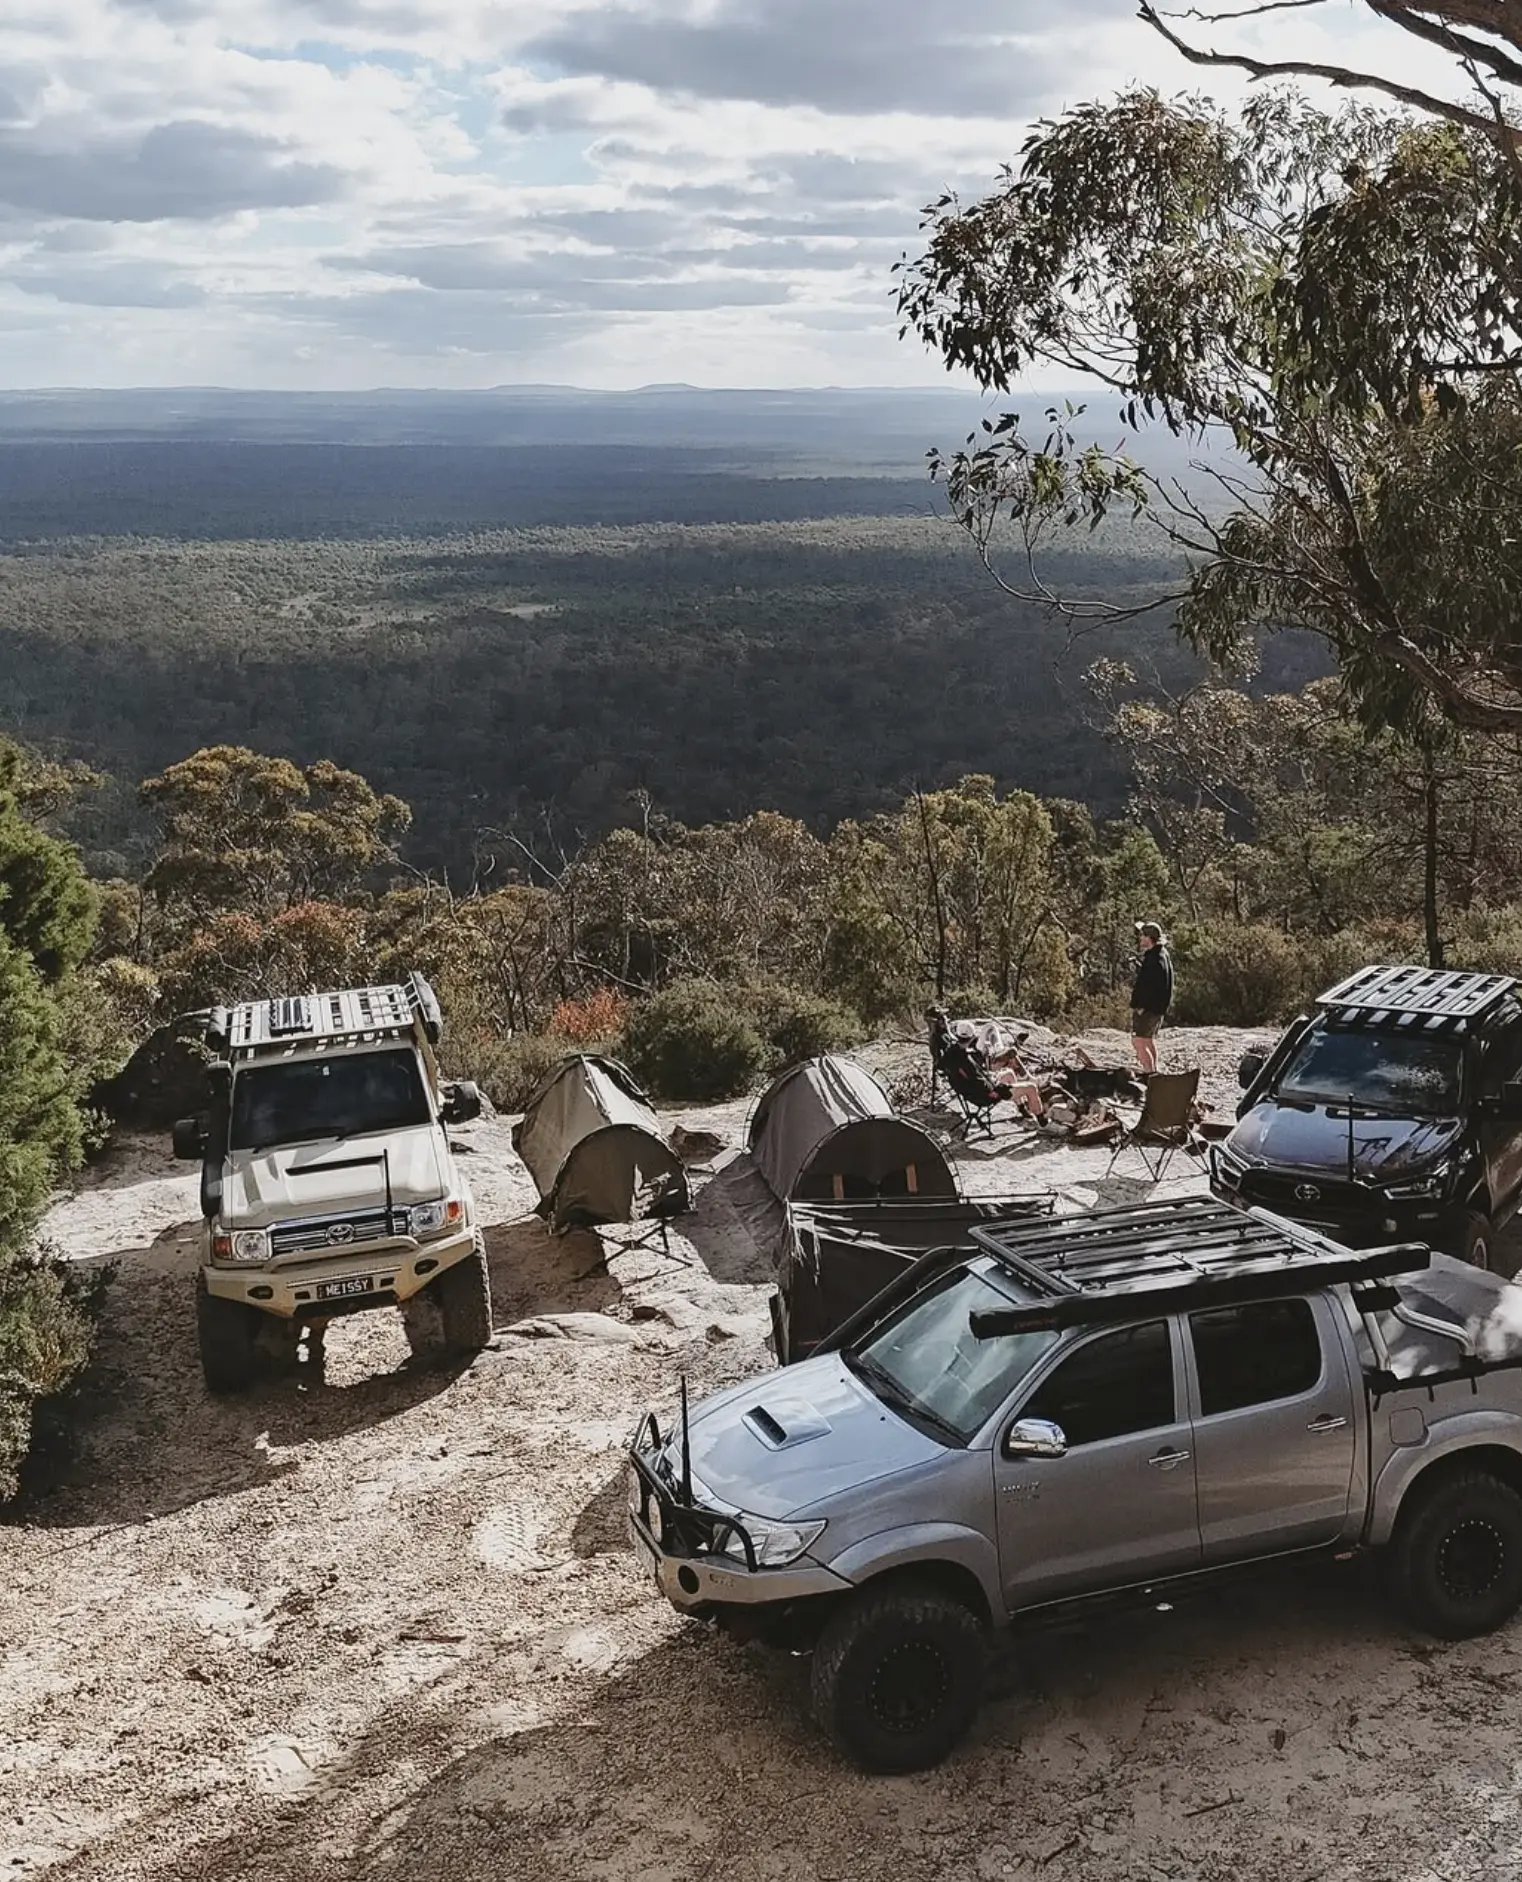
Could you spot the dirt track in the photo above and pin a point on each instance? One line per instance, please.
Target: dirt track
(384, 1624)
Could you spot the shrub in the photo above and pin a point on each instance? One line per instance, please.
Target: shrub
(799, 1026)
(1247, 974)
(601, 1015)
(48, 1312)
(693, 1040)
(509, 1070)
(971, 1002)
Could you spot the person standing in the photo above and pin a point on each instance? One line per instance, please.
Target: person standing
(1151, 993)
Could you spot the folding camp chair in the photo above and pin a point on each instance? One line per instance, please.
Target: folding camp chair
(974, 1093)
(1163, 1128)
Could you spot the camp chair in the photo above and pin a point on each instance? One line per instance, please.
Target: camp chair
(1163, 1128)
(971, 1087)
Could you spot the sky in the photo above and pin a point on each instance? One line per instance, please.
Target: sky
(339, 194)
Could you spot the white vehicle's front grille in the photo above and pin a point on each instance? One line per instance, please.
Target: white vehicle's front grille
(333, 1234)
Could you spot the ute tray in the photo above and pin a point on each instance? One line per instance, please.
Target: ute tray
(1110, 1264)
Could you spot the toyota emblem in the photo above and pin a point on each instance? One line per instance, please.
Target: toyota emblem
(341, 1232)
(1307, 1192)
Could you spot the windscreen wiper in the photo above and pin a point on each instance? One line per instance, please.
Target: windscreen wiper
(894, 1396)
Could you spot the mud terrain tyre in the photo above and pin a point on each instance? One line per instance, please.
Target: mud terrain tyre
(1455, 1561)
(227, 1332)
(897, 1676)
(452, 1317)
(1474, 1240)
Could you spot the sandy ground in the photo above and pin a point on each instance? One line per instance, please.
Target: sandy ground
(384, 1624)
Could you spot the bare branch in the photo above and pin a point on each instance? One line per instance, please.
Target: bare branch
(1342, 76)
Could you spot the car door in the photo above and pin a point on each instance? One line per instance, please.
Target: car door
(1501, 1137)
(1276, 1426)
(1119, 1505)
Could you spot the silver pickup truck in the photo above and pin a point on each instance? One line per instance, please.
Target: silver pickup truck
(1117, 1403)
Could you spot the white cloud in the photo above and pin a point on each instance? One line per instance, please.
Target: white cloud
(344, 192)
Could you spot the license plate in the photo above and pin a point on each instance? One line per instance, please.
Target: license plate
(341, 1290)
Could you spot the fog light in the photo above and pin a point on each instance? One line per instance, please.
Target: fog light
(261, 1293)
(424, 1267)
(687, 1580)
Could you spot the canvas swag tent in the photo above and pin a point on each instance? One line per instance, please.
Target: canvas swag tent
(826, 1131)
(596, 1150)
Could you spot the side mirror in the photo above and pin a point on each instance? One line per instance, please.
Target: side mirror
(190, 1135)
(461, 1103)
(1035, 1437)
(1507, 1105)
(1249, 1068)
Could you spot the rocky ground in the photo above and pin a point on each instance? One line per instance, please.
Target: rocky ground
(384, 1623)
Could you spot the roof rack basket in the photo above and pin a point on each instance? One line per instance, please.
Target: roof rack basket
(1416, 998)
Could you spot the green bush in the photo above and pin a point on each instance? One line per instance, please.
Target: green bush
(799, 1026)
(48, 1312)
(1245, 974)
(509, 1070)
(971, 1003)
(694, 1041)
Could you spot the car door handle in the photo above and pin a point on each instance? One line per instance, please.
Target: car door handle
(1328, 1421)
(1165, 1460)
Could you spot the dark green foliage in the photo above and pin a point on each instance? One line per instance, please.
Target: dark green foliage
(40, 1130)
(48, 1312)
(47, 907)
(799, 1025)
(693, 1041)
(971, 1002)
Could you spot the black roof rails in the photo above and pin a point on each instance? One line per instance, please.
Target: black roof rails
(1111, 1264)
(1416, 998)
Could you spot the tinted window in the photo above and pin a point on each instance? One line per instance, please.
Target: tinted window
(345, 1096)
(1252, 1355)
(1383, 1071)
(1119, 1383)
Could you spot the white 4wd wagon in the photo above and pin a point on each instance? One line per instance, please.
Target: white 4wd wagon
(328, 1185)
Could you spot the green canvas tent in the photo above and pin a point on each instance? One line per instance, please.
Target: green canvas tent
(596, 1150)
(826, 1131)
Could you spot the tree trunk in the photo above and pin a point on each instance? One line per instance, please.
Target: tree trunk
(935, 892)
(1431, 914)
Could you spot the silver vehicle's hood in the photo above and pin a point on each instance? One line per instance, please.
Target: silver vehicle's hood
(797, 1437)
(296, 1180)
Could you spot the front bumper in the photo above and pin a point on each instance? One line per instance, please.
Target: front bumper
(394, 1269)
(682, 1544)
(1356, 1216)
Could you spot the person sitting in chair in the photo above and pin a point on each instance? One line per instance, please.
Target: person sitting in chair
(968, 1072)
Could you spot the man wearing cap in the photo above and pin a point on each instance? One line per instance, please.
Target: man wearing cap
(1151, 993)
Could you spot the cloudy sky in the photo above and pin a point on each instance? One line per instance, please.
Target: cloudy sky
(349, 193)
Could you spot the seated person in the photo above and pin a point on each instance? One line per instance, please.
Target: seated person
(970, 1074)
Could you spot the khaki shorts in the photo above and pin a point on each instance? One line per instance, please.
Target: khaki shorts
(1145, 1025)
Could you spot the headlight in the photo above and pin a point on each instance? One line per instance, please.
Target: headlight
(776, 1544)
(1432, 1185)
(429, 1217)
(1229, 1168)
(250, 1245)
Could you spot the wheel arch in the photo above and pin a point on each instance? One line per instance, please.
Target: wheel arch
(954, 1561)
(1484, 1449)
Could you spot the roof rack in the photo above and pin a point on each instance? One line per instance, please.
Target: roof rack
(1110, 1264)
(349, 1013)
(1416, 998)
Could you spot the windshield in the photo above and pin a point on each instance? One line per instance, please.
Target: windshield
(925, 1361)
(1378, 1071)
(345, 1096)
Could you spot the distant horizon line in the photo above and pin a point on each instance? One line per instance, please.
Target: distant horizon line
(510, 387)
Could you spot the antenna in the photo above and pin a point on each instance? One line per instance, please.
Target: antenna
(390, 1212)
(686, 1448)
(1352, 1148)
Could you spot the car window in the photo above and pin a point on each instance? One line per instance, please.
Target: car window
(1501, 1061)
(1114, 1385)
(1254, 1354)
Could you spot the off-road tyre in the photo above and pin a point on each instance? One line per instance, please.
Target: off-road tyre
(227, 1332)
(1454, 1564)
(451, 1317)
(897, 1676)
(1474, 1240)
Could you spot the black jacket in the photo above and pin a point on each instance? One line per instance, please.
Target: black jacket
(1153, 991)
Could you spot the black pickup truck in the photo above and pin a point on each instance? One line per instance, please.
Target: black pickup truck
(1391, 1111)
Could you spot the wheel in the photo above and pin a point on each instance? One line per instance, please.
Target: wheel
(897, 1676)
(227, 1332)
(453, 1314)
(1474, 1240)
(1456, 1558)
